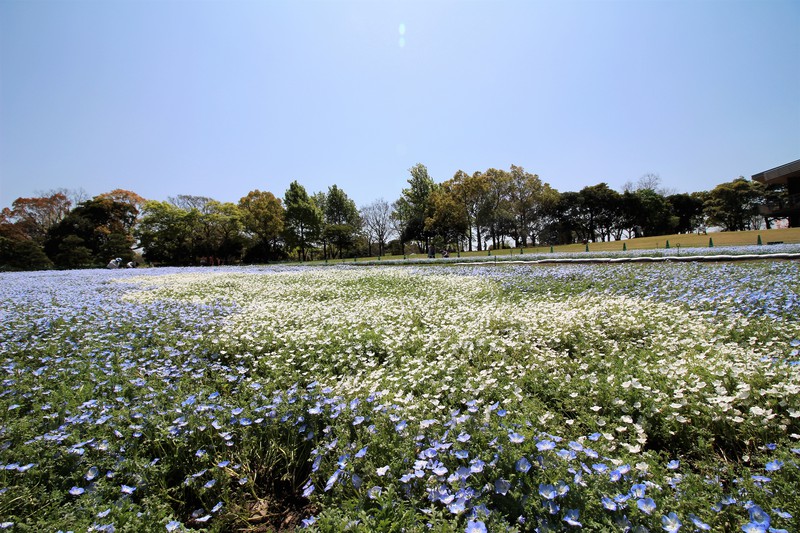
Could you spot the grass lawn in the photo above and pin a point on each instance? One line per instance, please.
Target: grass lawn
(693, 240)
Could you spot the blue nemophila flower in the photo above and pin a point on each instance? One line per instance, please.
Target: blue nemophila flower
(475, 526)
(308, 522)
(562, 489)
(439, 469)
(358, 420)
(210, 483)
(774, 466)
(173, 525)
(576, 446)
(759, 516)
(77, 491)
(608, 503)
(761, 479)
(463, 437)
(571, 518)
(638, 490)
(381, 471)
(752, 527)
(374, 493)
(476, 466)
(673, 465)
(103, 514)
(547, 491)
(699, 524)
(429, 453)
(361, 453)
(566, 454)
(501, 486)
(308, 489)
(515, 437)
(458, 506)
(646, 505)
(127, 489)
(782, 514)
(332, 480)
(461, 454)
(671, 523)
(216, 507)
(523, 465)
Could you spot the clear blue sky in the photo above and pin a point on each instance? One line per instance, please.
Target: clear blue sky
(219, 98)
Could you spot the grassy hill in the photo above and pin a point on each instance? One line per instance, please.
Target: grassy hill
(693, 240)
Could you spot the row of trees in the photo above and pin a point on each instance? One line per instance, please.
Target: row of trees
(497, 208)
(487, 209)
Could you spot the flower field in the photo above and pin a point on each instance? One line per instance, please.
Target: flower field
(658, 397)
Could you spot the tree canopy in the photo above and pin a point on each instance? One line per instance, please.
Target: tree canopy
(492, 208)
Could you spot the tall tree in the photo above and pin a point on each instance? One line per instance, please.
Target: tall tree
(473, 190)
(448, 222)
(530, 201)
(303, 219)
(734, 205)
(495, 206)
(263, 218)
(220, 232)
(414, 206)
(33, 217)
(102, 226)
(688, 210)
(573, 219)
(342, 221)
(376, 217)
(165, 233)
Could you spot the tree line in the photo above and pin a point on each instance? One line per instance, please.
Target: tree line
(489, 209)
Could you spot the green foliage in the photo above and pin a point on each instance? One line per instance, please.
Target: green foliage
(165, 233)
(22, 254)
(341, 221)
(93, 233)
(303, 218)
(734, 205)
(262, 216)
(414, 206)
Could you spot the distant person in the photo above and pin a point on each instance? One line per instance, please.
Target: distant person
(114, 263)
